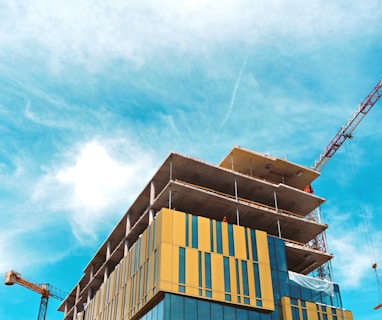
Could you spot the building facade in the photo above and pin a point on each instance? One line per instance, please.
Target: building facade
(229, 241)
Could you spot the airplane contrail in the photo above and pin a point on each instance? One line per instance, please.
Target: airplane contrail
(233, 97)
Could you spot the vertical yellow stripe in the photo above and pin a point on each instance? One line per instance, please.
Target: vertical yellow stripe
(166, 225)
(251, 283)
(286, 309)
(262, 246)
(179, 225)
(311, 311)
(175, 268)
(225, 238)
(239, 242)
(204, 234)
(143, 255)
(266, 286)
(217, 275)
(192, 272)
(232, 270)
(165, 270)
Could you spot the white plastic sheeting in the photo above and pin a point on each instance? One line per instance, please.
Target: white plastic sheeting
(312, 283)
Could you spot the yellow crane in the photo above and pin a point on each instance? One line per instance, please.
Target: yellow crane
(45, 290)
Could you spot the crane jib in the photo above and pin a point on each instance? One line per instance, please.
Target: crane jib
(346, 130)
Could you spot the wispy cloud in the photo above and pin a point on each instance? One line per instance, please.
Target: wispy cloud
(93, 33)
(353, 250)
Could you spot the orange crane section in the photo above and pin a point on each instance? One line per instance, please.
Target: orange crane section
(45, 290)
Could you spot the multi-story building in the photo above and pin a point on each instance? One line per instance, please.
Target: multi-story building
(228, 241)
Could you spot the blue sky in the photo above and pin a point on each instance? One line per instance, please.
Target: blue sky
(94, 95)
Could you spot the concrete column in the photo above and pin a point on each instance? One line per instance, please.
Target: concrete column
(127, 231)
(108, 250)
(90, 293)
(106, 274)
(91, 272)
(128, 224)
(66, 309)
(75, 313)
(78, 291)
(152, 198)
(277, 211)
(126, 248)
(237, 203)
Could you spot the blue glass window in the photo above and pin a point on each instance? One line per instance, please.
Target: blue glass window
(254, 246)
(195, 232)
(154, 232)
(229, 313)
(256, 276)
(246, 243)
(237, 279)
(182, 269)
(187, 230)
(177, 307)
(216, 311)
(190, 307)
(241, 314)
(155, 268)
(200, 273)
(231, 244)
(305, 315)
(244, 271)
(140, 283)
(159, 311)
(204, 310)
(207, 267)
(227, 284)
(211, 236)
(295, 313)
(219, 246)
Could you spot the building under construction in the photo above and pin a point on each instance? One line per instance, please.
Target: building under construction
(237, 240)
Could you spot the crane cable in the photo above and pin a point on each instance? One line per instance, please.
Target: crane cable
(363, 215)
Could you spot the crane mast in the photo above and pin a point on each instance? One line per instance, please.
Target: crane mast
(346, 132)
(45, 290)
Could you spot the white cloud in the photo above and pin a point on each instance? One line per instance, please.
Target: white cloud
(95, 184)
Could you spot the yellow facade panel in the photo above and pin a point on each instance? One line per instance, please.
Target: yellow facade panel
(143, 248)
(348, 315)
(165, 262)
(266, 286)
(311, 311)
(225, 238)
(179, 234)
(262, 246)
(192, 271)
(175, 269)
(165, 226)
(239, 241)
(232, 270)
(217, 276)
(286, 309)
(204, 234)
(251, 282)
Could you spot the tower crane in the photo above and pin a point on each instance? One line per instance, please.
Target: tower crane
(345, 132)
(45, 290)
